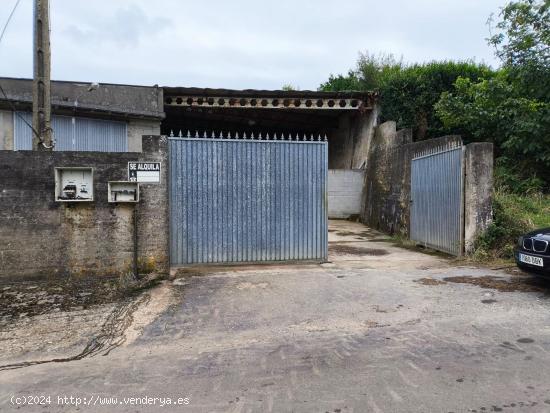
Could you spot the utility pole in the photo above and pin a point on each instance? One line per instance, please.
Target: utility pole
(41, 104)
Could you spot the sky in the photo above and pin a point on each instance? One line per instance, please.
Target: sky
(241, 44)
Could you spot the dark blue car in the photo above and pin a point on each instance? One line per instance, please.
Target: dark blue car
(533, 252)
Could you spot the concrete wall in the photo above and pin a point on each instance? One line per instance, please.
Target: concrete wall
(6, 130)
(139, 128)
(478, 188)
(387, 191)
(41, 237)
(345, 187)
(349, 144)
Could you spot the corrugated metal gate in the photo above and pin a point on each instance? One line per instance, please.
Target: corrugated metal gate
(247, 200)
(437, 209)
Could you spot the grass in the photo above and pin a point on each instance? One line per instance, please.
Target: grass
(514, 215)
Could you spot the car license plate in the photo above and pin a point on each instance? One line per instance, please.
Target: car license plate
(528, 259)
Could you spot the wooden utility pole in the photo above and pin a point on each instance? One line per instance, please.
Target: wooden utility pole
(41, 105)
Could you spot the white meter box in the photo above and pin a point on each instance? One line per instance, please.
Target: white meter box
(74, 184)
(123, 191)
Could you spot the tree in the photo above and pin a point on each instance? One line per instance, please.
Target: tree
(494, 110)
(522, 42)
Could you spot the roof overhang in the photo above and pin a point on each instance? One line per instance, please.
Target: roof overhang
(268, 99)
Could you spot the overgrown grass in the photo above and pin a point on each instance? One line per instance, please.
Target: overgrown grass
(513, 215)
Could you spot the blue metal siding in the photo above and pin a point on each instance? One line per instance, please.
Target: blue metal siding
(247, 201)
(76, 134)
(437, 200)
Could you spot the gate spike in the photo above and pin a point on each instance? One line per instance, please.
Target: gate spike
(326, 137)
(228, 135)
(244, 135)
(205, 135)
(297, 137)
(171, 133)
(180, 134)
(267, 136)
(188, 133)
(252, 136)
(196, 133)
(260, 136)
(311, 137)
(236, 135)
(221, 135)
(319, 138)
(275, 136)
(213, 135)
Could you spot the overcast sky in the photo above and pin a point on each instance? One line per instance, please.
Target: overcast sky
(241, 43)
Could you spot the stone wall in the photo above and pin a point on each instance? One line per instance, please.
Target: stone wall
(387, 190)
(41, 237)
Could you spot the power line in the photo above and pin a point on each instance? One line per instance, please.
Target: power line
(9, 18)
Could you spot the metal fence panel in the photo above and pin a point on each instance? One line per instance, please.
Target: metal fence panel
(75, 134)
(437, 200)
(247, 201)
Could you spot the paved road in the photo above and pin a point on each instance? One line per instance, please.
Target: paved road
(379, 329)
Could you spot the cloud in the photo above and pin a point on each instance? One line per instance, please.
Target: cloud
(124, 28)
(242, 43)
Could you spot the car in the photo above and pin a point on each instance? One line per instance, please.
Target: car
(533, 252)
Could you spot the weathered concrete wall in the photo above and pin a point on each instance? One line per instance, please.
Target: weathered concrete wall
(41, 237)
(340, 146)
(478, 186)
(364, 128)
(139, 128)
(349, 144)
(345, 187)
(387, 192)
(6, 130)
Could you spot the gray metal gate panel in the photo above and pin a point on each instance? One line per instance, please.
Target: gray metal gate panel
(247, 201)
(437, 201)
(75, 134)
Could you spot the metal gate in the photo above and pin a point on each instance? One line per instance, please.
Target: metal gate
(235, 200)
(437, 209)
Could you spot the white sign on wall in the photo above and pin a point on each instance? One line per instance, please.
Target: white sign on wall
(146, 172)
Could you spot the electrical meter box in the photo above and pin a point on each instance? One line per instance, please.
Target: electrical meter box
(74, 184)
(123, 191)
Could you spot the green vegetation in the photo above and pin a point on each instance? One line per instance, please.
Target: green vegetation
(514, 215)
(509, 106)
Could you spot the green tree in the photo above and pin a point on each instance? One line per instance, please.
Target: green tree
(495, 110)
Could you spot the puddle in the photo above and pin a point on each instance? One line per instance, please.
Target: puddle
(430, 281)
(526, 284)
(351, 250)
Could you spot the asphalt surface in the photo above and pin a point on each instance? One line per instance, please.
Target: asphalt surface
(379, 329)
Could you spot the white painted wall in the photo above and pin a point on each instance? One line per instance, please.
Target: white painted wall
(345, 187)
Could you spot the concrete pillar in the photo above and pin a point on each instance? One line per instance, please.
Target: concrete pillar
(363, 127)
(478, 189)
(6, 130)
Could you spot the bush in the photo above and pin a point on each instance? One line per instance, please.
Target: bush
(513, 216)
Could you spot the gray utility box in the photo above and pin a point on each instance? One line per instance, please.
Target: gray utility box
(123, 191)
(74, 184)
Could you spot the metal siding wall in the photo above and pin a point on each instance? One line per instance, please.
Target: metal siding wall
(84, 134)
(22, 134)
(247, 201)
(437, 201)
